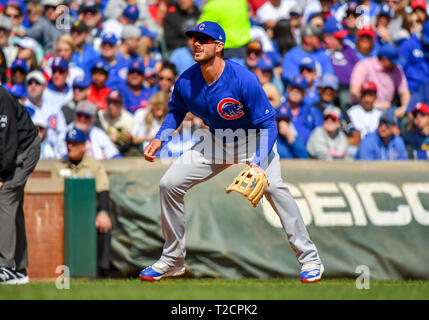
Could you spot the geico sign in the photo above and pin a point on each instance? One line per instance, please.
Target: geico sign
(340, 204)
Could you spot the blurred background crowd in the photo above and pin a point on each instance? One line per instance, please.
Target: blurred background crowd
(349, 79)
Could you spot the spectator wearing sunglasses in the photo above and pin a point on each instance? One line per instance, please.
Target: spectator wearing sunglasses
(417, 139)
(35, 83)
(307, 69)
(167, 77)
(328, 141)
(384, 143)
(98, 144)
(14, 10)
(47, 150)
(57, 92)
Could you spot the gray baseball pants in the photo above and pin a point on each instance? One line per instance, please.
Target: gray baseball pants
(195, 166)
(13, 240)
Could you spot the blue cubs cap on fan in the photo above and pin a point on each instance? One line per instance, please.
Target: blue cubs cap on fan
(136, 65)
(335, 28)
(385, 10)
(283, 112)
(109, 38)
(209, 28)
(308, 63)
(265, 64)
(147, 33)
(131, 12)
(60, 63)
(390, 52)
(75, 135)
(17, 90)
(81, 82)
(298, 82)
(19, 64)
(329, 80)
(100, 65)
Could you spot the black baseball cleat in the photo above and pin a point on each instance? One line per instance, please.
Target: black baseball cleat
(12, 276)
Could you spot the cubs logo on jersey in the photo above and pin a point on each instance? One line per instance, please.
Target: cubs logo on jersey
(230, 109)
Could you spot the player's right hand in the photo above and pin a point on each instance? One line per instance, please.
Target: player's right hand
(151, 149)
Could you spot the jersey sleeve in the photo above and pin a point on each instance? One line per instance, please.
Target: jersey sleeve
(256, 100)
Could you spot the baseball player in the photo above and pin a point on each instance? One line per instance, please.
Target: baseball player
(227, 97)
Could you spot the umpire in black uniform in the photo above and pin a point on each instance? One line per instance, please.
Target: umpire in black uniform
(19, 153)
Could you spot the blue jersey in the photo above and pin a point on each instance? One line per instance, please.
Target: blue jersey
(293, 57)
(117, 74)
(133, 102)
(85, 60)
(373, 148)
(234, 101)
(415, 58)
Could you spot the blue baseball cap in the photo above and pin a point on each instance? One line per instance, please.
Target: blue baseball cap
(307, 62)
(131, 12)
(388, 116)
(81, 82)
(75, 135)
(283, 112)
(329, 80)
(385, 10)
(265, 64)
(390, 52)
(136, 65)
(425, 32)
(110, 38)
(147, 33)
(299, 82)
(60, 63)
(100, 64)
(17, 90)
(335, 28)
(209, 28)
(19, 64)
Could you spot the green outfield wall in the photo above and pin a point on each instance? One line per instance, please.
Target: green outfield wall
(372, 214)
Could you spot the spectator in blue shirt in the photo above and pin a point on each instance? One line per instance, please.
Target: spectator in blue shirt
(307, 69)
(289, 143)
(84, 55)
(134, 93)
(118, 67)
(309, 47)
(415, 54)
(383, 144)
(421, 95)
(417, 139)
(304, 117)
(129, 47)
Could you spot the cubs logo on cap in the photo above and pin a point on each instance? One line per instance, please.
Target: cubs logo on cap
(208, 28)
(230, 109)
(75, 135)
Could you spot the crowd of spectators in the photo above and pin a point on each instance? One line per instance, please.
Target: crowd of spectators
(349, 79)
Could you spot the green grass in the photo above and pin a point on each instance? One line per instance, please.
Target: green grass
(218, 289)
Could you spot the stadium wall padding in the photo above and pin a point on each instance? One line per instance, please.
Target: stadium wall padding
(373, 214)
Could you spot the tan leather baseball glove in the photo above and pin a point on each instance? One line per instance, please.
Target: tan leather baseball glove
(251, 182)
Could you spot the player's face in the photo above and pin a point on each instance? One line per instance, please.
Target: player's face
(204, 49)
